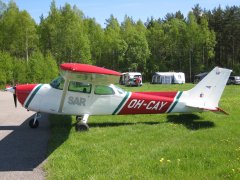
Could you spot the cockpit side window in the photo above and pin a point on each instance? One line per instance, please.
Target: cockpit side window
(103, 90)
(58, 83)
(80, 87)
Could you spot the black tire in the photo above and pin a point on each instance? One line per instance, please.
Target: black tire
(81, 127)
(33, 126)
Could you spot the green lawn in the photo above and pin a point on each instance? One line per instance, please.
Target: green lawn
(168, 146)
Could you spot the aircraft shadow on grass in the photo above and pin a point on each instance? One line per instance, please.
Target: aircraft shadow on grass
(190, 121)
(25, 149)
(116, 124)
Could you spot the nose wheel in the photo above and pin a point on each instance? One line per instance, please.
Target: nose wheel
(82, 125)
(34, 123)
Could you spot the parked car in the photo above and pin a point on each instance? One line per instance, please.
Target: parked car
(199, 77)
(234, 80)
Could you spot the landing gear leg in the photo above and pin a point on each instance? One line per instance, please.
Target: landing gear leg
(82, 123)
(33, 123)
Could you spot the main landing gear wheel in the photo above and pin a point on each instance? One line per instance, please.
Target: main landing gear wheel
(81, 127)
(33, 124)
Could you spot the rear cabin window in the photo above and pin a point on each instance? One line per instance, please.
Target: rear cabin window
(58, 83)
(103, 90)
(79, 87)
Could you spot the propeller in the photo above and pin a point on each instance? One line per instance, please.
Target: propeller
(15, 96)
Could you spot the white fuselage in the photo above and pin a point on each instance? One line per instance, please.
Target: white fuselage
(48, 100)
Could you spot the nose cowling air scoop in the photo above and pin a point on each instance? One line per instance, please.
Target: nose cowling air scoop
(21, 92)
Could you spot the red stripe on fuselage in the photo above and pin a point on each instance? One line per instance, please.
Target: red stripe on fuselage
(22, 91)
(163, 94)
(148, 103)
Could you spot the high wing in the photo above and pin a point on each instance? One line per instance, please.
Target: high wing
(89, 73)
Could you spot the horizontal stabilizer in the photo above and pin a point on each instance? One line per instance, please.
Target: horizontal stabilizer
(219, 110)
(212, 109)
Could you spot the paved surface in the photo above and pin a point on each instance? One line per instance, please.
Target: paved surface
(22, 149)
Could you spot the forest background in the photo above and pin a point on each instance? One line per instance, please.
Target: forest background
(31, 52)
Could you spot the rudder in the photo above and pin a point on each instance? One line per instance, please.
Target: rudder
(207, 93)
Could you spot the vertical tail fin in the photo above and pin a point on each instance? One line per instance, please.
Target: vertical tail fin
(207, 93)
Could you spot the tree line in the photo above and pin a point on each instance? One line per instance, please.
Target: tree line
(31, 52)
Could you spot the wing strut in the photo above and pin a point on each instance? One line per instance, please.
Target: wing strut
(65, 88)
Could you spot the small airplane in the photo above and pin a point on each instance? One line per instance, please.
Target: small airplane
(84, 90)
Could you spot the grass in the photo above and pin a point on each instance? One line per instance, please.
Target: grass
(168, 146)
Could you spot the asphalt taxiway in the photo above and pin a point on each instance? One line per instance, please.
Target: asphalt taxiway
(22, 149)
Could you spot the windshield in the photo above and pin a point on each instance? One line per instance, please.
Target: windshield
(58, 83)
(120, 90)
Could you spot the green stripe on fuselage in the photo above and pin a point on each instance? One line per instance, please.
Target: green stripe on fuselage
(32, 95)
(120, 105)
(176, 101)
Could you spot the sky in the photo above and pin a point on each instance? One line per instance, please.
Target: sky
(137, 9)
